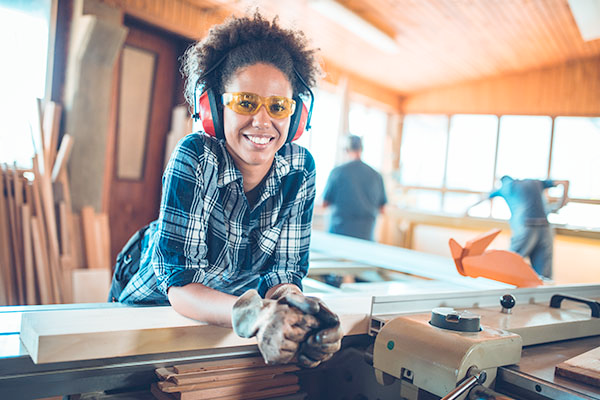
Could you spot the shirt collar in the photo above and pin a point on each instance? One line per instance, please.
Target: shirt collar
(229, 173)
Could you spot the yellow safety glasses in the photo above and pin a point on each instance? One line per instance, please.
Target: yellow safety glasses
(246, 103)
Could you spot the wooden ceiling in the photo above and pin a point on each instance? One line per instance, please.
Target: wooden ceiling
(440, 42)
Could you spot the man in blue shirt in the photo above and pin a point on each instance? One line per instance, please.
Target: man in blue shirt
(230, 245)
(356, 194)
(532, 235)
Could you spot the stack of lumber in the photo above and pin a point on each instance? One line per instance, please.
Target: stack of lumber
(40, 236)
(232, 379)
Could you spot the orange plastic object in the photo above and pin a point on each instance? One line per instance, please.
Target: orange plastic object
(500, 265)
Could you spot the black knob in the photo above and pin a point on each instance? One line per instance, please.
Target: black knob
(507, 302)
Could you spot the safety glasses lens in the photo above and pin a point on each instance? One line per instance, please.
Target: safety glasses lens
(249, 104)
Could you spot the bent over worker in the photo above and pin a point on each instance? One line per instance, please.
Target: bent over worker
(231, 242)
(532, 236)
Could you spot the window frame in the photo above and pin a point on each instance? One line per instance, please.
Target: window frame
(443, 190)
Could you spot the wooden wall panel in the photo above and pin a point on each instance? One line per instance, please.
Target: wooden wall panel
(572, 88)
(177, 16)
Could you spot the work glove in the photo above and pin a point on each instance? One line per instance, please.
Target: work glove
(324, 341)
(278, 327)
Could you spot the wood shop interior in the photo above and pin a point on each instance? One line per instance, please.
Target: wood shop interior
(447, 97)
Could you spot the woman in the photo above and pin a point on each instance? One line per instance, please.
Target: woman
(230, 245)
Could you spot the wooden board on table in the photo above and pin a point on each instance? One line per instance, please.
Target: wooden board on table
(170, 387)
(238, 385)
(69, 335)
(192, 378)
(261, 394)
(584, 367)
(220, 365)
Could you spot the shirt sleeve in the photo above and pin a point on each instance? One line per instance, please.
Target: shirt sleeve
(292, 250)
(548, 183)
(383, 195)
(329, 192)
(179, 256)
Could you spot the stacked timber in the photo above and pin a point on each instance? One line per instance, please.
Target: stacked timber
(232, 379)
(40, 236)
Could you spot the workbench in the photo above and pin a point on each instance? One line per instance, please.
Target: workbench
(424, 282)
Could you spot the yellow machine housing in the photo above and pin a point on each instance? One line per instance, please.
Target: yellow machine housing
(435, 359)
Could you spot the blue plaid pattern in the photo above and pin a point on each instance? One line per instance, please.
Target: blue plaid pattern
(206, 232)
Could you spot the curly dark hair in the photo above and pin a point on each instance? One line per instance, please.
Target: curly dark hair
(243, 41)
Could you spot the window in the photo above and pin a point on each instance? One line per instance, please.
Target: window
(371, 125)
(24, 34)
(471, 149)
(423, 151)
(575, 155)
(438, 174)
(321, 140)
(524, 146)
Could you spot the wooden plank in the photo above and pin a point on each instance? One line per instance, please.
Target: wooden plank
(51, 127)
(220, 365)
(77, 245)
(237, 393)
(41, 263)
(88, 224)
(47, 205)
(64, 231)
(144, 330)
(103, 241)
(170, 387)
(216, 376)
(30, 280)
(583, 368)
(8, 296)
(261, 382)
(14, 220)
(62, 157)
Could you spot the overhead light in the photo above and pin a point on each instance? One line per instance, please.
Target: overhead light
(587, 17)
(356, 24)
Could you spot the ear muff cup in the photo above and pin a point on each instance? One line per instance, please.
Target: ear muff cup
(297, 121)
(209, 115)
(213, 126)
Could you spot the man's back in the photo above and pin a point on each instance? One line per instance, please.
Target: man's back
(525, 200)
(356, 193)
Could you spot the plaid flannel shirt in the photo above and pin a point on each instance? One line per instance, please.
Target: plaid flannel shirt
(206, 232)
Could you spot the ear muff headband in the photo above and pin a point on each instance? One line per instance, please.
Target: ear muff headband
(212, 125)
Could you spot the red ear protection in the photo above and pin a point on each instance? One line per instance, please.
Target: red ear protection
(211, 121)
(206, 114)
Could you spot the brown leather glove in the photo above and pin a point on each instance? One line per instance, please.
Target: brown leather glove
(325, 341)
(279, 328)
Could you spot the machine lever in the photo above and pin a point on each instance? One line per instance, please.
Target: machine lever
(475, 378)
(556, 299)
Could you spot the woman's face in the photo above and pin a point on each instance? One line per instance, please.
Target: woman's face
(253, 140)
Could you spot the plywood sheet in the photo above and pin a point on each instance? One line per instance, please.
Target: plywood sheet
(584, 367)
(55, 336)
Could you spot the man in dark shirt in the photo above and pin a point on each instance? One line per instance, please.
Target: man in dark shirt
(356, 194)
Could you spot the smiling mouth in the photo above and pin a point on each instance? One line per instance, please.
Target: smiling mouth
(259, 140)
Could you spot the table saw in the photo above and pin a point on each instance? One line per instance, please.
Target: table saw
(391, 348)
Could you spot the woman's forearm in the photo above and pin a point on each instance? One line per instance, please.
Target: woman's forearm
(202, 303)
